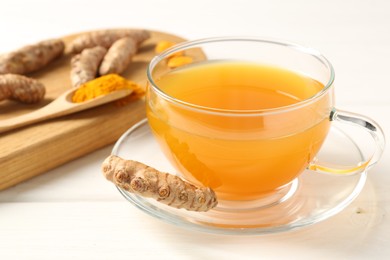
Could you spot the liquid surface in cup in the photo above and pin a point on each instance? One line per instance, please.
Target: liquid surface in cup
(240, 157)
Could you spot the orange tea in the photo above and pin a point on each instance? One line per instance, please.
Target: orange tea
(223, 129)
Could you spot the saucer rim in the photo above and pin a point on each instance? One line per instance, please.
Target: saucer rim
(177, 220)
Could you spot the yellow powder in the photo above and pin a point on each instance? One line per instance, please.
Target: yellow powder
(104, 85)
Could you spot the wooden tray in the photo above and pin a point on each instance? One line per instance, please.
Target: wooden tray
(35, 149)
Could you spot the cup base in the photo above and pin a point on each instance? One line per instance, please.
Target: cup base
(268, 200)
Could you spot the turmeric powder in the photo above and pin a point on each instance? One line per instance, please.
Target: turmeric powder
(166, 188)
(104, 85)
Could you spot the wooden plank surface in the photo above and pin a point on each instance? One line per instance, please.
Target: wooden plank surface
(33, 150)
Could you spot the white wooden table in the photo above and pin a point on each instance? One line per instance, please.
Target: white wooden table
(72, 212)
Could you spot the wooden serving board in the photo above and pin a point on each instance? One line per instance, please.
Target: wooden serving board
(35, 149)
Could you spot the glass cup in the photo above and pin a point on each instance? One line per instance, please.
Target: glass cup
(249, 154)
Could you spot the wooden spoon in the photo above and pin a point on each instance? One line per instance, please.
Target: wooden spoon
(61, 106)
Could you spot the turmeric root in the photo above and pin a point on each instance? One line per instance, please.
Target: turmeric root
(106, 38)
(164, 45)
(118, 56)
(84, 66)
(178, 61)
(166, 188)
(32, 57)
(21, 88)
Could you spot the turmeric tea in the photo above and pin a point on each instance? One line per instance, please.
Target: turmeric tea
(239, 157)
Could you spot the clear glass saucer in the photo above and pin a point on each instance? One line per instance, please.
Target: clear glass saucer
(316, 196)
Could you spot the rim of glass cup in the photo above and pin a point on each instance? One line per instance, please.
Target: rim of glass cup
(231, 112)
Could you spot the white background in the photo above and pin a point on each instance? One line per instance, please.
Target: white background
(71, 212)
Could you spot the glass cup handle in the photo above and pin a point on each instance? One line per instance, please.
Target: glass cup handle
(360, 121)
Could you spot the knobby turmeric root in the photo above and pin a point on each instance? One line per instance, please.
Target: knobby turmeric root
(84, 66)
(106, 38)
(166, 188)
(119, 56)
(32, 57)
(21, 88)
